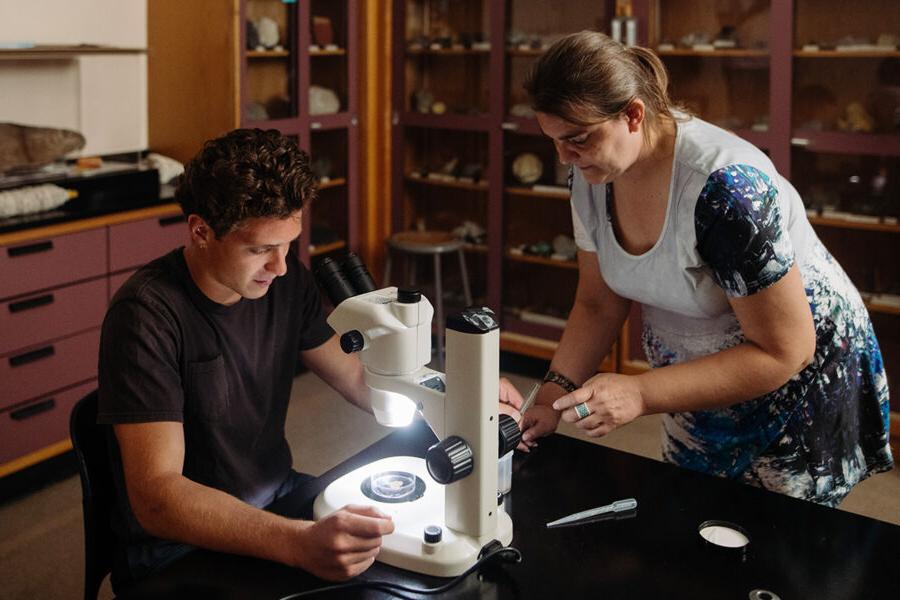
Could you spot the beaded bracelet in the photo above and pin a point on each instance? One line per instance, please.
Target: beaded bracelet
(560, 380)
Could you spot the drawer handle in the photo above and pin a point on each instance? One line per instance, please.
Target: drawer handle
(28, 357)
(173, 220)
(33, 410)
(35, 302)
(30, 249)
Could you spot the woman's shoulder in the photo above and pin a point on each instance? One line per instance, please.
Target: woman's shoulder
(703, 149)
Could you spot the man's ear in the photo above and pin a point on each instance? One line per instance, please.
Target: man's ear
(201, 233)
(635, 113)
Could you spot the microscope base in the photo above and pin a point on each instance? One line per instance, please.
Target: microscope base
(406, 548)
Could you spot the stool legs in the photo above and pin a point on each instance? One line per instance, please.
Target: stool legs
(467, 292)
(387, 268)
(439, 311)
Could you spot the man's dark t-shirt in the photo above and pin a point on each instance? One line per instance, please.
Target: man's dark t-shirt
(169, 353)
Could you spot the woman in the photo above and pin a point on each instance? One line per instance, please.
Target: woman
(765, 364)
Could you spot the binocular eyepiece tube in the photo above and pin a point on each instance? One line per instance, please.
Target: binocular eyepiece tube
(344, 280)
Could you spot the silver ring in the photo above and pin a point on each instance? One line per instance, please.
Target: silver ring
(582, 410)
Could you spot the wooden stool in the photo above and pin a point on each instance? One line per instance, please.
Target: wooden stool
(435, 243)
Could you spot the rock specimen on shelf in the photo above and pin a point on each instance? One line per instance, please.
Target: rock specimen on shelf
(527, 168)
(323, 101)
(267, 30)
(322, 31)
(252, 36)
(27, 147)
(855, 119)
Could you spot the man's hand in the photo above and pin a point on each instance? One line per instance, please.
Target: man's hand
(510, 399)
(538, 421)
(343, 544)
(612, 401)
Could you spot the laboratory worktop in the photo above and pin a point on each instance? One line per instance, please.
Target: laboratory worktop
(797, 549)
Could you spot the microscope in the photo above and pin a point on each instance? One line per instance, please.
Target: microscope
(446, 507)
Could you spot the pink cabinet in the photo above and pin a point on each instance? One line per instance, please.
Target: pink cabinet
(40, 422)
(40, 369)
(54, 313)
(41, 264)
(134, 244)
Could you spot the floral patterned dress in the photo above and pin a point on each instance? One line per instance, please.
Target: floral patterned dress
(734, 227)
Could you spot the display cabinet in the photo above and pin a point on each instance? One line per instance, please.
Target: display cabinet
(288, 65)
(467, 155)
(816, 84)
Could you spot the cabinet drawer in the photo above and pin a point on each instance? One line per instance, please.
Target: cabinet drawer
(59, 312)
(42, 369)
(118, 280)
(52, 262)
(38, 424)
(135, 244)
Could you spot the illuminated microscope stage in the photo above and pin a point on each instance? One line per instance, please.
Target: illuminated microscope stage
(414, 500)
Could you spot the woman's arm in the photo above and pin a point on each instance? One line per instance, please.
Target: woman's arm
(594, 324)
(779, 343)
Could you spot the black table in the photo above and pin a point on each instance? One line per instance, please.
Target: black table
(798, 550)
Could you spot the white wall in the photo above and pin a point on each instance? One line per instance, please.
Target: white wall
(104, 97)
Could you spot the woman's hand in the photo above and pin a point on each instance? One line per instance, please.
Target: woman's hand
(611, 401)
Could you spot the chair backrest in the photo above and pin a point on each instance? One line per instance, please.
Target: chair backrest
(97, 492)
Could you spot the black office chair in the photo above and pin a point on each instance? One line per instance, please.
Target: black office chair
(97, 492)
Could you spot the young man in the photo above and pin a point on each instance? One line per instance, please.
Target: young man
(196, 365)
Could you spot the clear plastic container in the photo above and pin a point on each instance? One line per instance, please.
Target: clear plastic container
(504, 473)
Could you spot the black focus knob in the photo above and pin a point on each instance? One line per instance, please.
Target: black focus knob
(352, 341)
(510, 434)
(433, 534)
(449, 460)
(408, 296)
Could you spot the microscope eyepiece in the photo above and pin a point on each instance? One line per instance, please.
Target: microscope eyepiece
(357, 274)
(333, 281)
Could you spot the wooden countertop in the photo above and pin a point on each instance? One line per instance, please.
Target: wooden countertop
(92, 222)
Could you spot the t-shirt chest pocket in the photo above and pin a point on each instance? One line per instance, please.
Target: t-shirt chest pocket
(208, 389)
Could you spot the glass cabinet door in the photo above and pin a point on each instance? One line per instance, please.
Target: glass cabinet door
(270, 82)
(447, 57)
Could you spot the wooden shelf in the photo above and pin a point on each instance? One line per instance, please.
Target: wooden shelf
(476, 248)
(719, 53)
(446, 52)
(563, 194)
(326, 248)
(524, 125)
(479, 186)
(530, 52)
(841, 142)
(540, 260)
(885, 309)
(460, 122)
(55, 52)
(268, 53)
(332, 183)
(336, 52)
(850, 224)
(846, 53)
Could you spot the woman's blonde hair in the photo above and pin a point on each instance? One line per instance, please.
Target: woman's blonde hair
(587, 77)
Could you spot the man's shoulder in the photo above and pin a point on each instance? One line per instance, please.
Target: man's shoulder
(157, 284)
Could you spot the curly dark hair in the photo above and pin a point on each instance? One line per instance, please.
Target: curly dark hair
(245, 174)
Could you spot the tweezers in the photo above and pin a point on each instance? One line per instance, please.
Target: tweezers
(619, 506)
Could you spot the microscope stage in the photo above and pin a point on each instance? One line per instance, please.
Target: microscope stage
(403, 476)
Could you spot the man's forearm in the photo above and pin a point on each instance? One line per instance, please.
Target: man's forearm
(182, 510)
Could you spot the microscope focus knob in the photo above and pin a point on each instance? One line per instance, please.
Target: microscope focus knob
(510, 434)
(449, 460)
(352, 341)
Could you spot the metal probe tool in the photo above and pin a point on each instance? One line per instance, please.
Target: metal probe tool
(619, 506)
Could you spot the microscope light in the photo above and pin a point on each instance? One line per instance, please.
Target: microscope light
(392, 409)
